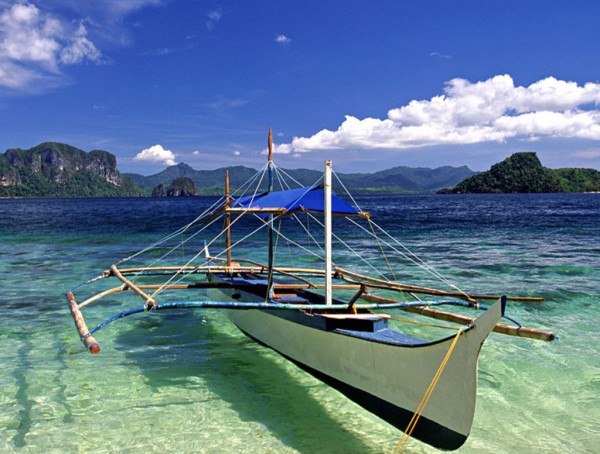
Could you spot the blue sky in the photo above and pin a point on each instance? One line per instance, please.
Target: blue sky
(369, 84)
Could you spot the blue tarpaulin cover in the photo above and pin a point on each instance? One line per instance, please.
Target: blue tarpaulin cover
(309, 198)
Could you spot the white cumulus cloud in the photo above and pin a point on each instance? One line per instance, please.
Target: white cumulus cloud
(33, 45)
(156, 153)
(493, 110)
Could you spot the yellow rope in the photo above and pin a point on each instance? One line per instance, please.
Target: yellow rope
(419, 411)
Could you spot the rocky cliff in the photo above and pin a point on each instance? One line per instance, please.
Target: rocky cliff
(55, 169)
(180, 187)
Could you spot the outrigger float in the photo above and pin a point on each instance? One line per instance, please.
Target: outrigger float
(334, 322)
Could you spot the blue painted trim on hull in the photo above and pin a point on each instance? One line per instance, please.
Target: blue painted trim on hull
(426, 430)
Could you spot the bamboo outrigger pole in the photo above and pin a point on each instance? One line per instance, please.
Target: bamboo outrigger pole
(518, 331)
(381, 284)
(82, 329)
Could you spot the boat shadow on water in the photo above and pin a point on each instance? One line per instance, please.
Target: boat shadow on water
(183, 348)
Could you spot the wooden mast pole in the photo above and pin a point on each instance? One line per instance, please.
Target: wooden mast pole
(327, 203)
(270, 143)
(227, 219)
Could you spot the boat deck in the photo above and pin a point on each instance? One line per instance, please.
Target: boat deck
(365, 325)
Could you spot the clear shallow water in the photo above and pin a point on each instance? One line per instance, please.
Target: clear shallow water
(189, 382)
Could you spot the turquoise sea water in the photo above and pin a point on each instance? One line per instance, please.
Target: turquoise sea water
(190, 382)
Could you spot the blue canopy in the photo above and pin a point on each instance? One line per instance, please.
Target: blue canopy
(309, 198)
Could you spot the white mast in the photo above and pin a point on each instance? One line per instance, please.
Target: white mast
(327, 203)
(270, 189)
(227, 219)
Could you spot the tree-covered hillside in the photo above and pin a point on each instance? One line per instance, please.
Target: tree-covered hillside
(524, 173)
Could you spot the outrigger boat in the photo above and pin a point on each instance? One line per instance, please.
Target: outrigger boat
(334, 322)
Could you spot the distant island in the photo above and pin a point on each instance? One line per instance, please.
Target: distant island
(524, 173)
(53, 169)
(179, 187)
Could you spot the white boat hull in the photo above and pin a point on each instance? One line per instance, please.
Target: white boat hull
(388, 380)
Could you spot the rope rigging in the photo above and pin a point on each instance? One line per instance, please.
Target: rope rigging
(251, 187)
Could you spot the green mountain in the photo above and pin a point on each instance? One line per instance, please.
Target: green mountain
(397, 180)
(208, 182)
(59, 170)
(407, 179)
(524, 173)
